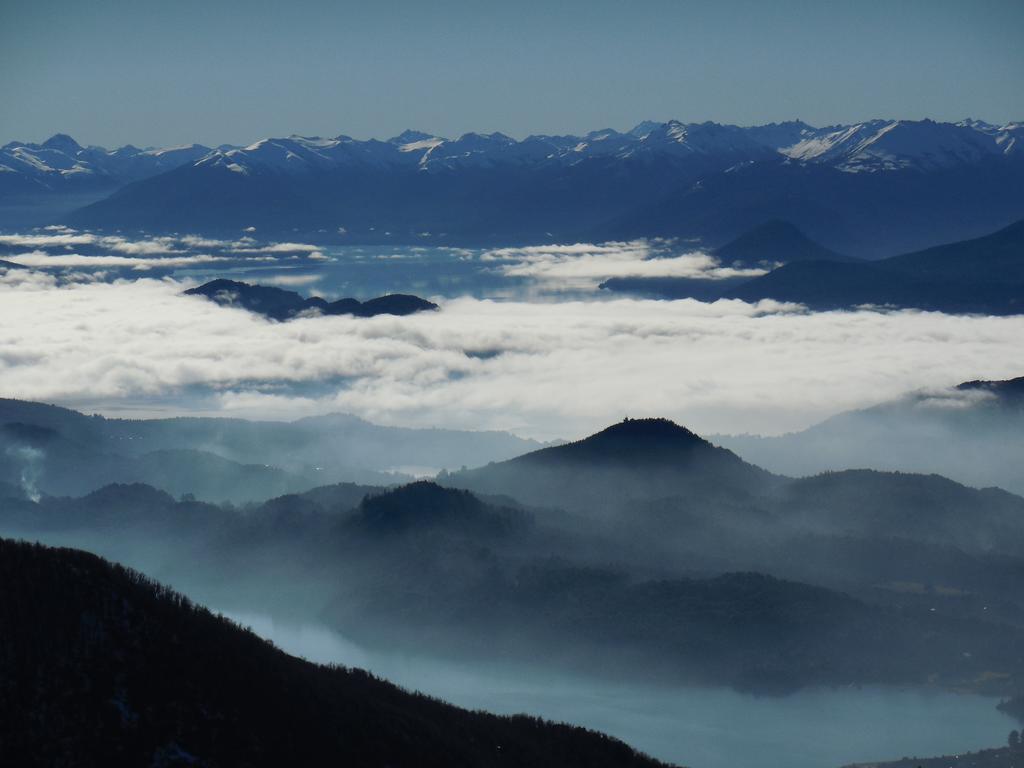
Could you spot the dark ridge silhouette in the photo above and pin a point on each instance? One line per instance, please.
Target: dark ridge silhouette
(984, 275)
(437, 571)
(11, 265)
(774, 242)
(634, 459)
(994, 258)
(101, 666)
(1009, 390)
(279, 304)
(632, 442)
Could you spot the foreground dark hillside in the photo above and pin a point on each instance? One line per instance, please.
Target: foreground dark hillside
(100, 666)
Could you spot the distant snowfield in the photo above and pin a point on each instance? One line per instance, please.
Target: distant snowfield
(543, 369)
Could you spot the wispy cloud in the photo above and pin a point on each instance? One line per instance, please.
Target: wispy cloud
(275, 248)
(557, 369)
(60, 247)
(49, 240)
(292, 280)
(63, 260)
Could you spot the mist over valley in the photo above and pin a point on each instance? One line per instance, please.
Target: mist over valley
(493, 385)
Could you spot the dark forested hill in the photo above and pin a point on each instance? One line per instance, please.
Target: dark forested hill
(100, 666)
(280, 304)
(633, 460)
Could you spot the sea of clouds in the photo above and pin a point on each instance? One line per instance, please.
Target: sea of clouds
(546, 369)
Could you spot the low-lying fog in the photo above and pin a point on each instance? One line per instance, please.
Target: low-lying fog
(524, 341)
(698, 727)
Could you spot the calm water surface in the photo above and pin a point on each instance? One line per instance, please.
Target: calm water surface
(697, 727)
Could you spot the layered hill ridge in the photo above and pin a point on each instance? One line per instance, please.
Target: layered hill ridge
(46, 449)
(970, 433)
(1010, 391)
(434, 570)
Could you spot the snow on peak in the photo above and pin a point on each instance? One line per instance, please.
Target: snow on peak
(870, 146)
(421, 145)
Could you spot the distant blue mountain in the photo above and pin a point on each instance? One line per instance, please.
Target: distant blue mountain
(982, 275)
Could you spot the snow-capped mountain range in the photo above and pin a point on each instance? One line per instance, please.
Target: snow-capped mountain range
(872, 146)
(61, 160)
(871, 189)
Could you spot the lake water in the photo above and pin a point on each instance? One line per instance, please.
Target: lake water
(367, 271)
(532, 273)
(697, 727)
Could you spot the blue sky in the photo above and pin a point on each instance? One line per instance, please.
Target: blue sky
(175, 72)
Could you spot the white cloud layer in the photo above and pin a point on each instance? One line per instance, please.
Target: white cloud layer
(583, 265)
(139, 263)
(548, 370)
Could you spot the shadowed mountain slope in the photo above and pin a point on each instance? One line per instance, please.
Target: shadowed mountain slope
(633, 460)
(101, 666)
(984, 275)
(774, 242)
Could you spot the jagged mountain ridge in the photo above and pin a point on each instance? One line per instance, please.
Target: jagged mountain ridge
(61, 162)
(869, 146)
(908, 179)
